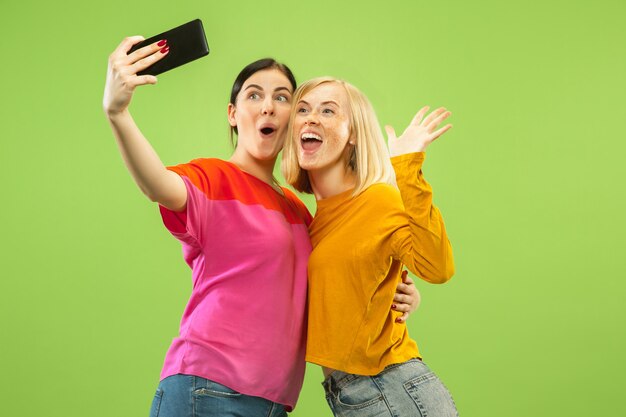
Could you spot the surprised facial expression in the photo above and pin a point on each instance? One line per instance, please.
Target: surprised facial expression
(261, 113)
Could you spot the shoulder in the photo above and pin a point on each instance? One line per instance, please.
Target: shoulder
(206, 168)
(291, 195)
(202, 172)
(204, 164)
(380, 191)
(380, 197)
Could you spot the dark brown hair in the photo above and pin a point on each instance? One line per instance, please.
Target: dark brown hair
(249, 71)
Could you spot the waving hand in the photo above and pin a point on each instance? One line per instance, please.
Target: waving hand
(420, 133)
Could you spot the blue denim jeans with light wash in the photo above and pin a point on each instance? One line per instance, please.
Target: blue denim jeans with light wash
(401, 390)
(192, 396)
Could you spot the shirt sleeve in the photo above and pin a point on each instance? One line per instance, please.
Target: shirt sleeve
(423, 246)
(187, 225)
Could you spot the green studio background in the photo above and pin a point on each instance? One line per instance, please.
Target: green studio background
(530, 181)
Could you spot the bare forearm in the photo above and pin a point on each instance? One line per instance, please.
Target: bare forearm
(143, 163)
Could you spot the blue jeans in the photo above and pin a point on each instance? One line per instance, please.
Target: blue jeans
(192, 396)
(400, 390)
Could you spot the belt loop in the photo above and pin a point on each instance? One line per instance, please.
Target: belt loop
(326, 383)
(332, 385)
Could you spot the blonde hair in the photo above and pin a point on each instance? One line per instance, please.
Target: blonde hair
(369, 157)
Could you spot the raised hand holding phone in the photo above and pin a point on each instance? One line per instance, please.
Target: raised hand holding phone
(187, 43)
(122, 78)
(137, 60)
(143, 163)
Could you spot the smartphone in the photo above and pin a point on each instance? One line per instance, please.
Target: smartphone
(187, 43)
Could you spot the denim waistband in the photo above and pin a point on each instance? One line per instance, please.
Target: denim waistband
(339, 378)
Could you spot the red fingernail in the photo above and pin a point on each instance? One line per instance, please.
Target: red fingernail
(165, 50)
(162, 43)
(393, 306)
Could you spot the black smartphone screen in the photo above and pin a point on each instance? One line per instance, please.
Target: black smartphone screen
(187, 43)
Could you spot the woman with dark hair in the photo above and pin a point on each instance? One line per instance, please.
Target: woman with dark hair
(240, 350)
(242, 337)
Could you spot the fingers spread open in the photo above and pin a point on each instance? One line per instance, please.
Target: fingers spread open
(441, 131)
(438, 120)
(433, 115)
(419, 116)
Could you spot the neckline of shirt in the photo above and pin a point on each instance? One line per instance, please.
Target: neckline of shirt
(335, 199)
(282, 189)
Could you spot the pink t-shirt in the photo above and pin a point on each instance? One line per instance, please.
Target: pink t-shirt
(248, 247)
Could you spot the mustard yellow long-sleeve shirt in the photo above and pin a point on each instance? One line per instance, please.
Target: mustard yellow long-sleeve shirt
(359, 246)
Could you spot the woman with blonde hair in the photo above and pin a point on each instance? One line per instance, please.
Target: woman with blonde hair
(364, 230)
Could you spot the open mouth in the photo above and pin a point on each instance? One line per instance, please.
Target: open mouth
(267, 130)
(310, 141)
